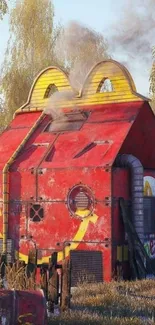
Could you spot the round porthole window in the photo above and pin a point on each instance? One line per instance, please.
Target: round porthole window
(80, 201)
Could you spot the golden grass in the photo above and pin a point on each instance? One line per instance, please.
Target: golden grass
(115, 303)
(16, 278)
(85, 318)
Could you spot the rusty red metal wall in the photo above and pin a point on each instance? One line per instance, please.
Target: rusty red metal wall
(34, 179)
(22, 307)
(140, 139)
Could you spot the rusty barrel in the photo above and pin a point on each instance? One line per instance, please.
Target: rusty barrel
(22, 307)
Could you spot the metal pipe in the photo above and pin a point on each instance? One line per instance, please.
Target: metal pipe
(6, 182)
(136, 170)
(27, 110)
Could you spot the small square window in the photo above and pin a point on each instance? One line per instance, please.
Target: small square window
(36, 212)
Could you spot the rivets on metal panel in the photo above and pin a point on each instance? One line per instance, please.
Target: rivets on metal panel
(107, 168)
(107, 200)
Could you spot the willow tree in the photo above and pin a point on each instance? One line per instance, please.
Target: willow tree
(152, 78)
(30, 49)
(3, 8)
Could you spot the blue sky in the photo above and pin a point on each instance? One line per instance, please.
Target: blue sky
(96, 14)
(103, 16)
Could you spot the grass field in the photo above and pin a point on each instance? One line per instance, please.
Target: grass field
(116, 303)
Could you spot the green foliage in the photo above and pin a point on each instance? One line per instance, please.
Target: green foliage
(29, 50)
(3, 8)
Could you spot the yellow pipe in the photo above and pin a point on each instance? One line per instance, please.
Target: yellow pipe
(6, 182)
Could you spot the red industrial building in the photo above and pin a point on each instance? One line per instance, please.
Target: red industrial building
(83, 184)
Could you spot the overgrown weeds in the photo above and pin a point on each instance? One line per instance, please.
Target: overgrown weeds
(115, 303)
(16, 278)
(88, 319)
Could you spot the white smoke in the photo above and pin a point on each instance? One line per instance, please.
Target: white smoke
(132, 37)
(54, 105)
(55, 102)
(80, 48)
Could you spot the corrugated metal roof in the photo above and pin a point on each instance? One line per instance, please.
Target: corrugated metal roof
(95, 144)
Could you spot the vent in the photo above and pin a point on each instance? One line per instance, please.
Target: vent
(86, 266)
(36, 212)
(86, 149)
(80, 201)
(50, 154)
(91, 146)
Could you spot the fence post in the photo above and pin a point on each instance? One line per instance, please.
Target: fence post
(44, 281)
(65, 285)
(53, 285)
